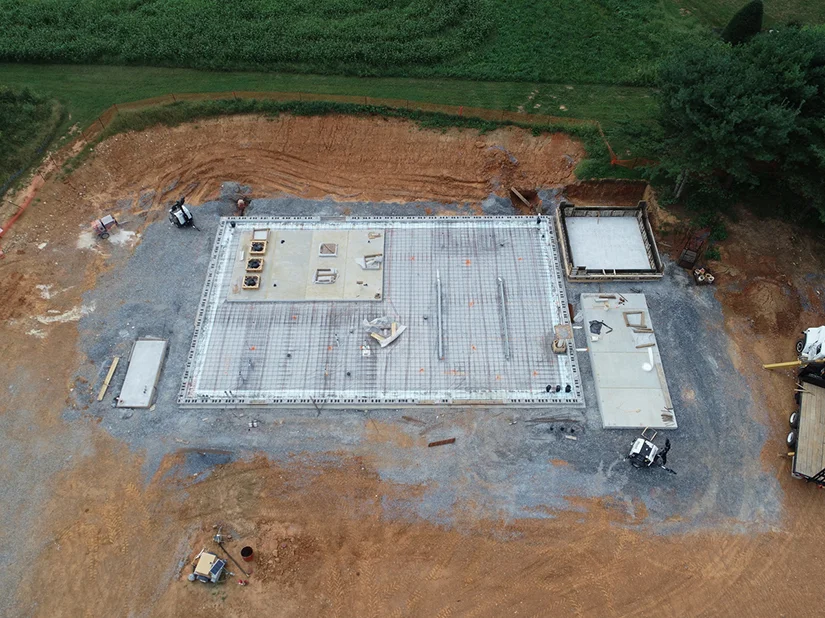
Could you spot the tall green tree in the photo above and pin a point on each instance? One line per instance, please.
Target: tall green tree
(792, 62)
(717, 113)
(745, 24)
(751, 116)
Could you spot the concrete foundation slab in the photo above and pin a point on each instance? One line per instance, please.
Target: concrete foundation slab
(502, 295)
(145, 363)
(627, 367)
(607, 243)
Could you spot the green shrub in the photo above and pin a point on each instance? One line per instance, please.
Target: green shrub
(712, 220)
(28, 122)
(712, 254)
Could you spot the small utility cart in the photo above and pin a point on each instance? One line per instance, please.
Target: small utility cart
(102, 226)
(806, 438)
(180, 215)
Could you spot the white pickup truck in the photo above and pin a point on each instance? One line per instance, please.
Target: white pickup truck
(812, 345)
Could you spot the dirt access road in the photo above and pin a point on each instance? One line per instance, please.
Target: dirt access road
(329, 540)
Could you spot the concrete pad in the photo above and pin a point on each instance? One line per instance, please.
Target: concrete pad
(629, 396)
(313, 349)
(625, 371)
(145, 363)
(607, 243)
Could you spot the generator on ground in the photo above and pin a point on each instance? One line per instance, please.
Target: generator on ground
(644, 453)
(180, 215)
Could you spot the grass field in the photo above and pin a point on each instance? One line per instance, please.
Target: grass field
(581, 41)
(716, 13)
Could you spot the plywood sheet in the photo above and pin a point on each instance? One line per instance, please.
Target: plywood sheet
(293, 256)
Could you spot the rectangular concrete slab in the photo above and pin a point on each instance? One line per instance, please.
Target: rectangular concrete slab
(630, 380)
(607, 243)
(496, 350)
(145, 363)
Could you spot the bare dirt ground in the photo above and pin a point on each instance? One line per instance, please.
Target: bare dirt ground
(343, 157)
(102, 539)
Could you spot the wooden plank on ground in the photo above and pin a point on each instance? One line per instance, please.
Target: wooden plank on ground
(810, 458)
(108, 379)
(521, 197)
(442, 442)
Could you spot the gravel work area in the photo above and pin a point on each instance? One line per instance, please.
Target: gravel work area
(501, 465)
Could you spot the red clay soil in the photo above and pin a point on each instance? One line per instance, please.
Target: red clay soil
(343, 157)
(606, 192)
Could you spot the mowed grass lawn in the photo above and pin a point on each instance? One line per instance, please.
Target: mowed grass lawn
(86, 91)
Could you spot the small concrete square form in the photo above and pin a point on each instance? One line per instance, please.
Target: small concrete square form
(371, 311)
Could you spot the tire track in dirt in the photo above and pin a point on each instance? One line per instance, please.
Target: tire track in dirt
(368, 564)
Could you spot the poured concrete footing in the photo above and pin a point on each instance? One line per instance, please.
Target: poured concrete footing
(607, 243)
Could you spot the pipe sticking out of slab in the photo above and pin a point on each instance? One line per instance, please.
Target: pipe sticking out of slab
(504, 336)
(440, 320)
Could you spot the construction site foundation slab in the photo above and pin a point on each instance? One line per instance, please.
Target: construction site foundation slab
(474, 303)
(627, 367)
